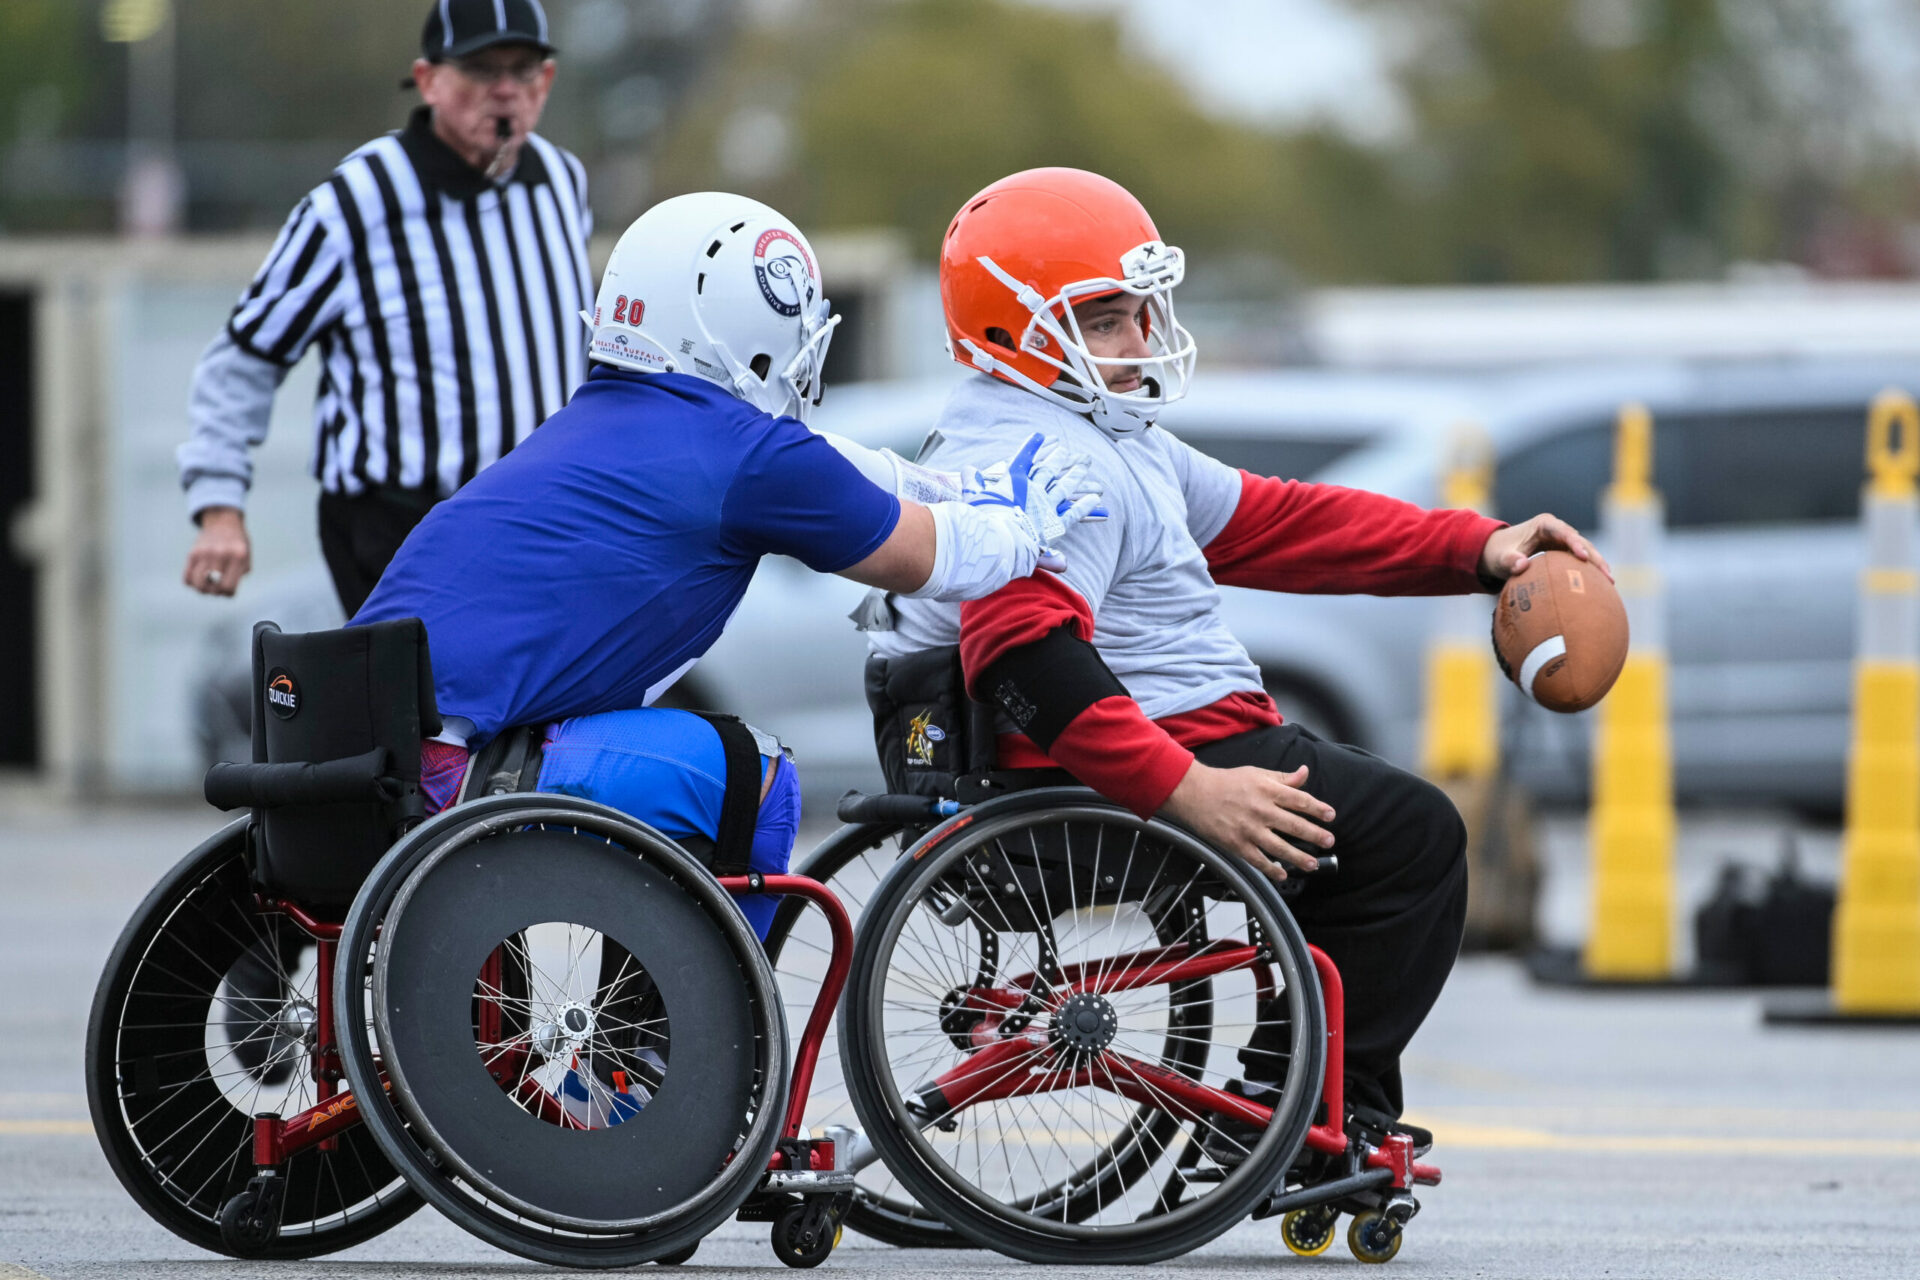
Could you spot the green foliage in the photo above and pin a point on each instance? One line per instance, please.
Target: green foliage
(944, 96)
(1543, 148)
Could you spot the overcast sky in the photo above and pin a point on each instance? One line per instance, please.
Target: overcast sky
(1292, 60)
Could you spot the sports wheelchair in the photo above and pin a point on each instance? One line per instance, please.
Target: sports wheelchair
(1052, 1007)
(531, 1011)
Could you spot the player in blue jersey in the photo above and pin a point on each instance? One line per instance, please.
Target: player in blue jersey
(575, 580)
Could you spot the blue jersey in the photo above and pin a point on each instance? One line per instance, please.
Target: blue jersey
(590, 567)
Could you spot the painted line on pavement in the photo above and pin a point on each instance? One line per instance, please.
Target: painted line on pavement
(1504, 1138)
(39, 1128)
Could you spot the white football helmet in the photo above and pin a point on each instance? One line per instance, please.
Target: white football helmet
(721, 287)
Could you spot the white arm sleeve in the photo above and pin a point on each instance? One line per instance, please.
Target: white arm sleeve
(895, 474)
(976, 551)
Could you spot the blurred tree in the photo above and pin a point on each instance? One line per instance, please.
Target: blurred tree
(1604, 139)
(891, 114)
(48, 86)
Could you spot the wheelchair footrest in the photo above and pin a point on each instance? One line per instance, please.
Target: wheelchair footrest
(1283, 1200)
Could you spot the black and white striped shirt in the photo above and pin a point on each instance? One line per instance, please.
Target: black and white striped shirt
(446, 311)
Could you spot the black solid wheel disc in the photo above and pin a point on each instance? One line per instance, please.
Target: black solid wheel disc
(471, 1201)
(439, 934)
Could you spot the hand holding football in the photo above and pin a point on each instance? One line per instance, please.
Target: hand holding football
(1560, 631)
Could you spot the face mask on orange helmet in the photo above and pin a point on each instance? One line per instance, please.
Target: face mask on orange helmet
(721, 287)
(1016, 259)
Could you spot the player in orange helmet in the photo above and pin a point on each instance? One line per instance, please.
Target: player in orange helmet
(1058, 291)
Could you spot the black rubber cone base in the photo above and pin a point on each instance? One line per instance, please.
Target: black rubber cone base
(1561, 967)
(1816, 1009)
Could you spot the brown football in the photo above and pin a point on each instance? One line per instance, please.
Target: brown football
(1560, 631)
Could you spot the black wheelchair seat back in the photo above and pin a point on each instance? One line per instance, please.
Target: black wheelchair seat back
(933, 739)
(338, 718)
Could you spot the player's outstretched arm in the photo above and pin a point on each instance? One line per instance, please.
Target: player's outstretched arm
(1007, 522)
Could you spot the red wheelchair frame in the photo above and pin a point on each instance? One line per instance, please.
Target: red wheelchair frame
(982, 1076)
(973, 1081)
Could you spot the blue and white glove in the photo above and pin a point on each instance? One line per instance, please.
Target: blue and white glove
(1009, 520)
(1046, 486)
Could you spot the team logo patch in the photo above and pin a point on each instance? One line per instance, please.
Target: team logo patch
(785, 270)
(922, 733)
(283, 695)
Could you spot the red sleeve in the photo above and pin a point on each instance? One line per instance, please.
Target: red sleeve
(1287, 535)
(1111, 746)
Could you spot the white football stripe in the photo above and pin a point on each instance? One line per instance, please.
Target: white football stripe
(1543, 653)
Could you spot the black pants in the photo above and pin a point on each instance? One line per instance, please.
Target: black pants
(359, 534)
(1392, 916)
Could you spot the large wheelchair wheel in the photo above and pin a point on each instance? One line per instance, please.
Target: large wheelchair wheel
(1051, 1005)
(205, 1017)
(578, 1052)
(851, 862)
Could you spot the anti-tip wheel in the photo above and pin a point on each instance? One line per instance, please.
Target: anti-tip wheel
(1309, 1232)
(678, 1256)
(805, 1236)
(1374, 1237)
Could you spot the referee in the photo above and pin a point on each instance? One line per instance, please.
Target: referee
(441, 271)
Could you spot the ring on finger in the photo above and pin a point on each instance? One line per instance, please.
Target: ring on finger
(213, 577)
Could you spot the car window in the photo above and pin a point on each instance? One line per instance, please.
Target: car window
(1290, 458)
(1778, 466)
(1562, 474)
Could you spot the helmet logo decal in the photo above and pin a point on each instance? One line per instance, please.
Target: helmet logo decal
(785, 272)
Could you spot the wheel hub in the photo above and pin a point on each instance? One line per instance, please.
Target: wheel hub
(1085, 1024)
(568, 1033)
(299, 1023)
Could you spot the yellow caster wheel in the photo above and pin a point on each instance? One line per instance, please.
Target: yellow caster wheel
(1309, 1232)
(1373, 1237)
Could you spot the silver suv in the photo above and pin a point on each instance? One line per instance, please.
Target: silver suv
(1761, 466)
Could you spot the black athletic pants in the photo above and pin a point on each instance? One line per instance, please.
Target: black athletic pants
(359, 534)
(1392, 916)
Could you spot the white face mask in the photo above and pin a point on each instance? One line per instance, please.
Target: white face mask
(1151, 272)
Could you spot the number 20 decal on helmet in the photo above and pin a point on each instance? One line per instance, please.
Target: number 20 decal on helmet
(1023, 252)
(733, 295)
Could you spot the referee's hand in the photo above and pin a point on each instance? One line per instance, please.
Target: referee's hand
(221, 555)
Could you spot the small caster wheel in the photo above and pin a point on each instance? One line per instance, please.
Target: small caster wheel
(805, 1235)
(678, 1256)
(251, 1220)
(1373, 1237)
(1309, 1232)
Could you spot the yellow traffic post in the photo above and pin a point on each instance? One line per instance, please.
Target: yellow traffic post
(1631, 824)
(1460, 737)
(1876, 936)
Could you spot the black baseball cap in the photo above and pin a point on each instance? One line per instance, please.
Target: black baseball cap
(456, 28)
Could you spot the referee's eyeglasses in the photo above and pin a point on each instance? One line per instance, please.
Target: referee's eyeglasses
(485, 70)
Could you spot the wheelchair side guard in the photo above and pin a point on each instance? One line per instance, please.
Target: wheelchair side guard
(452, 914)
(615, 1241)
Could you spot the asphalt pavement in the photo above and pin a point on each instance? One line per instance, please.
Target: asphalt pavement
(1581, 1133)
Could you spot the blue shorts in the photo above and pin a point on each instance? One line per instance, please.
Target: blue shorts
(667, 769)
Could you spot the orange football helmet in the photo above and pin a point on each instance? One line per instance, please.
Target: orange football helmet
(1020, 254)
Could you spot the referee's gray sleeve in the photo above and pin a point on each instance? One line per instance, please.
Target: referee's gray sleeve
(229, 405)
(295, 294)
